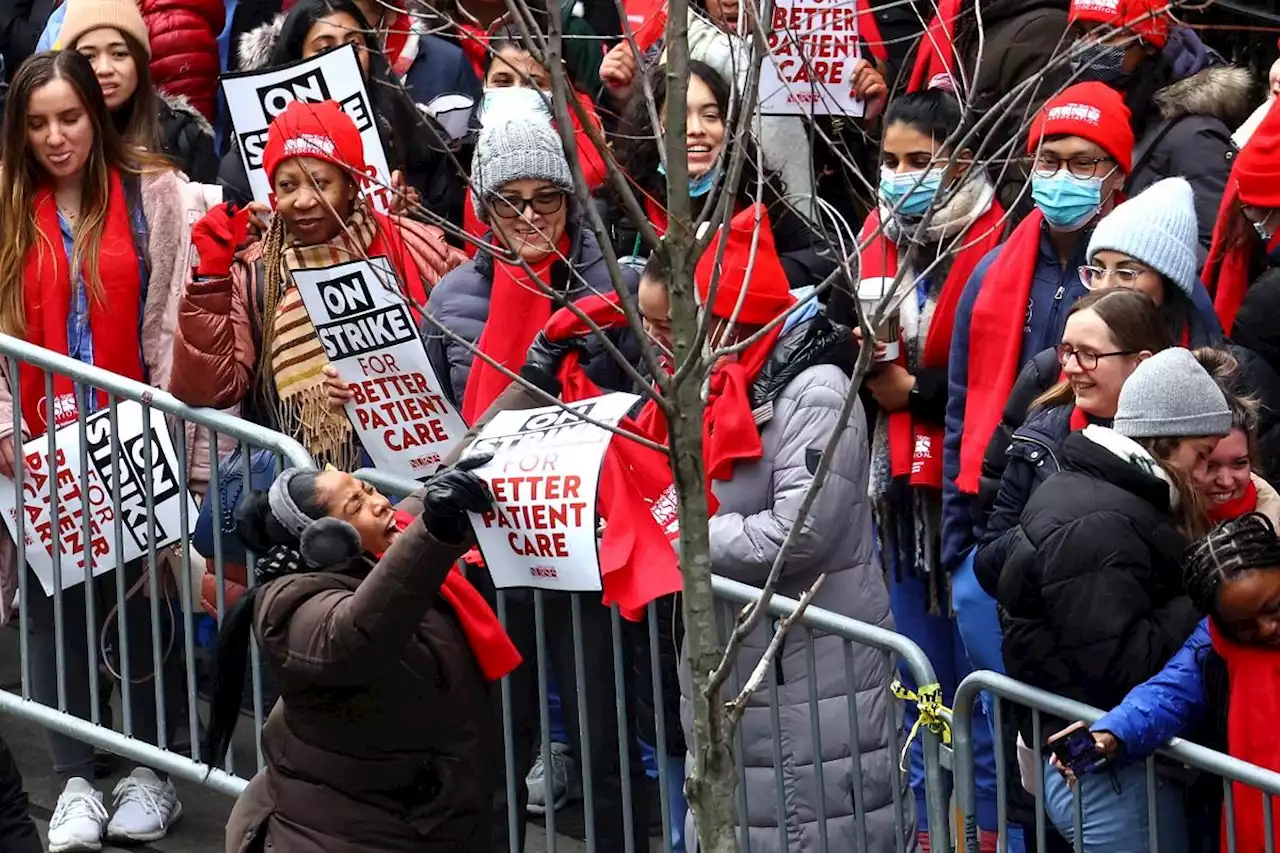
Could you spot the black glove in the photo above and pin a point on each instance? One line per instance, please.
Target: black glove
(545, 355)
(450, 495)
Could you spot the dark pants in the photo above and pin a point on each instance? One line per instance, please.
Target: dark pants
(17, 830)
(601, 711)
(72, 757)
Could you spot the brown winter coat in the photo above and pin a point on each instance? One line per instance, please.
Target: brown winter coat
(384, 734)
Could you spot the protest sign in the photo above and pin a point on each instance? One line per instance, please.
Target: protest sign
(399, 410)
(90, 491)
(541, 531)
(254, 98)
(813, 53)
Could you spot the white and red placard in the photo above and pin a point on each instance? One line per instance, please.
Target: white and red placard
(813, 53)
(542, 530)
(90, 491)
(399, 410)
(255, 98)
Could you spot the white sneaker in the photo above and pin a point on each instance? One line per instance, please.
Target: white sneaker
(145, 807)
(562, 773)
(78, 819)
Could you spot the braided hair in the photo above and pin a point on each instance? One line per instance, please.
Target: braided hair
(1245, 544)
(1231, 549)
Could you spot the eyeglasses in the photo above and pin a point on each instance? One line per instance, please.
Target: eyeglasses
(1087, 360)
(1046, 165)
(1093, 277)
(511, 206)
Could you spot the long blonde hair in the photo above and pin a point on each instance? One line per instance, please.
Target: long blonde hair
(22, 178)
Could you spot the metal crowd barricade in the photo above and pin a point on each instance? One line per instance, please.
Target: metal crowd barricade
(172, 679)
(1040, 703)
(626, 679)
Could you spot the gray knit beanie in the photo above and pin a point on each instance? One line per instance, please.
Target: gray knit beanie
(1156, 227)
(1171, 395)
(507, 151)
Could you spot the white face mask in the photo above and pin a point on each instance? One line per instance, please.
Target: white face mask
(505, 103)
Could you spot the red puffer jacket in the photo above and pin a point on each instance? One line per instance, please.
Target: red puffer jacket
(184, 48)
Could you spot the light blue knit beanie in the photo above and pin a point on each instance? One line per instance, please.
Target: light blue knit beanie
(1156, 227)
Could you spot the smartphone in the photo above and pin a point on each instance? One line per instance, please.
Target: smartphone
(1078, 751)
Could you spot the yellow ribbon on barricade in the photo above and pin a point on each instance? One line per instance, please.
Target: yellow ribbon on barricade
(928, 701)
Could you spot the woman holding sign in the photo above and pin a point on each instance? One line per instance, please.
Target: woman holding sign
(90, 271)
(384, 737)
(244, 335)
(417, 147)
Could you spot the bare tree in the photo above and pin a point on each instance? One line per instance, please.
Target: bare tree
(680, 394)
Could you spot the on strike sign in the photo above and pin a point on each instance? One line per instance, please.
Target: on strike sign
(813, 51)
(541, 531)
(255, 98)
(91, 492)
(399, 412)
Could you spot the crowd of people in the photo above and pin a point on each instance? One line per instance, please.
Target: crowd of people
(1077, 202)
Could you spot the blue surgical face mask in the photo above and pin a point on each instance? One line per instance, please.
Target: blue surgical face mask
(909, 193)
(506, 102)
(1099, 62)
(1066, 201)
(702, 184)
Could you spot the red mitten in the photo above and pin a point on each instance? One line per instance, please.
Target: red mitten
(217, 237)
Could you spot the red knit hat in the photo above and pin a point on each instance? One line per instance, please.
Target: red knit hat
(1257, 169)
(768, 293)
(1147, 19)
(320, 131)
(1092, 111)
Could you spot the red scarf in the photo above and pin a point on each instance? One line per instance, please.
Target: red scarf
(488, 640)
(936, 50)
(1246, 503)
(388, 242)
(113, 317)
(1252, 709)
(995, 344)
(915, 449)
(1078, 419)
(474, 42)
(518, 309)
(1226, 271)
(637, 562)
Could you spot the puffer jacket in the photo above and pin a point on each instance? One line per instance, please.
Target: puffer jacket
(1091, 596)
(807, 381)
(184, 48)
(460, 303)
(1031, 458)
(384, 737)
(170, 204)
(1188, 133)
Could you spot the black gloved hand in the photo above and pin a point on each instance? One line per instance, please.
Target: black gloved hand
(546, 355)
(451, 494)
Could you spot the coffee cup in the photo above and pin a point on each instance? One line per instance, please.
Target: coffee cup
(870, 292)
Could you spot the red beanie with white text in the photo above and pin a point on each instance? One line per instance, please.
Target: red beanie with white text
(1148, 19)
(1092, 111)
(320, 131)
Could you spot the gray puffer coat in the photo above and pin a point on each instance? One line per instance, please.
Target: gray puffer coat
(757, 509)
(460, 303)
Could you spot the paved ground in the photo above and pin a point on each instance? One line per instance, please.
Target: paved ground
(204, 812)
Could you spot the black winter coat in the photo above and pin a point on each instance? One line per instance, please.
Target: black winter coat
(1091, 597)
(21, 23)
(1032, 458)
